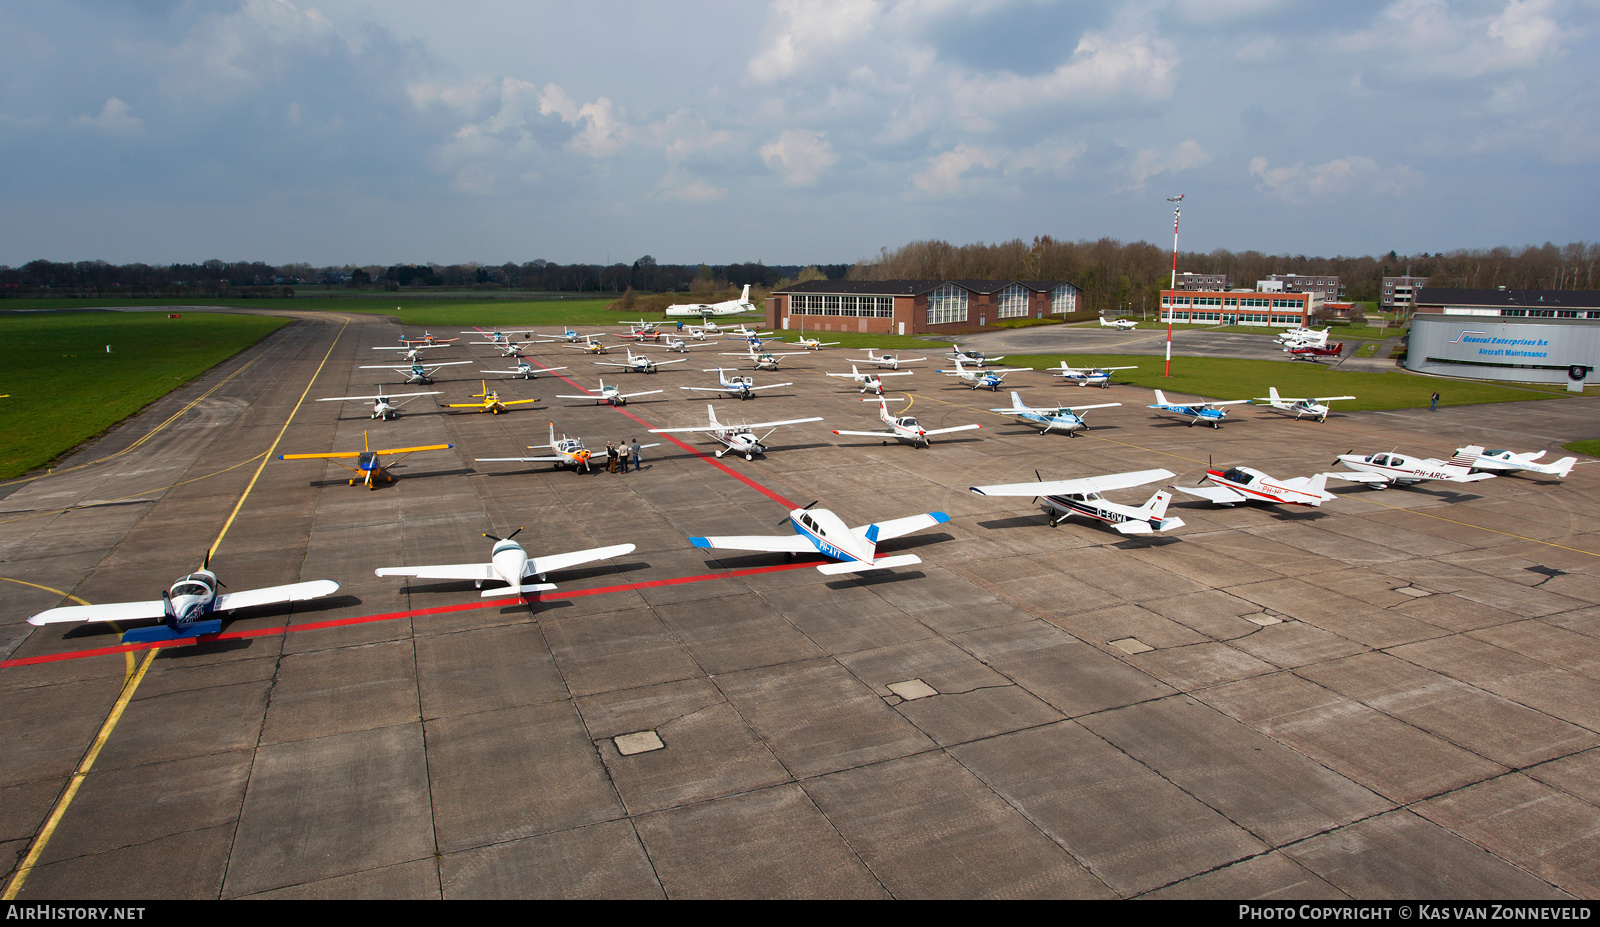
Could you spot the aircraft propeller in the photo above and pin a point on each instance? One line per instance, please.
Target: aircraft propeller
(506, 538)
(802, 508)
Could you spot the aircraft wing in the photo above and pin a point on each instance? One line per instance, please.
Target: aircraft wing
(945, 431)
(1213, 405)
(871, 434)
(336, 455)
(518, 459)
(116, 611)
(767, 386)
(589, 396)
(772, 543)
(1357, 476)
(1085, 484)
(1220, 495)
(647, 392)
(412, 450)
(474, 571)
(274, 595)
(896, 527)
(371, 398)
(538, 566)
(791, 421)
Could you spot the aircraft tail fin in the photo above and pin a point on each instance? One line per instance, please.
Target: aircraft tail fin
(1016, 401)
(1152, 517)
(1272, 391)
(1318, 483)
(711, 410)
(1161, 399)
(871, 538)
(1465, 458)
(745, 296)
(1562, 467)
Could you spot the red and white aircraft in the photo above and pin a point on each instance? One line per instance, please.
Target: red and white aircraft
(1388, 468)
(870, 382)
(1245, 484)
(904, 428)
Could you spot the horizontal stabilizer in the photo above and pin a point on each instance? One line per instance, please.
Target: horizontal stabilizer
(160, 632)
(860, 566)
(522, 590)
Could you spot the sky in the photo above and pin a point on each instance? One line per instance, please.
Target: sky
(790, 131)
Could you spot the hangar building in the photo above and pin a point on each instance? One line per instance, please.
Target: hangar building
(1527, 336)
(912, 307)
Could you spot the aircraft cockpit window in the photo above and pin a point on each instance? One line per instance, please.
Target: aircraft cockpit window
(1237, 476)
(368, 458)
(188, 588)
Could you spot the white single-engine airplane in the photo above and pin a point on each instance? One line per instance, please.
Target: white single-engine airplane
(182, 609)
(1124, 324)
(741, 439)
(510, 564)
(419, 374)
(569, 337)
(812, 344)
(414, 353)
(763, 360)
(1082, 497)
(736, 386)
(611, 395)
(525, 370)
(383, 407)
(870, 382)
(506, 348)
(904, 428)
(591, 345)
(564, 452)
(729, 307)
(1063, 418)
(1500, 461)
(1387, 469)
(1246, 484)
(1304, 337)
(1088, 376)
(821, 531)
(640, 363)
(369, 463)
(976, 358)
(1316, 407)
(499, 337)
(981, 379)
(1210, 413)
(888, 360)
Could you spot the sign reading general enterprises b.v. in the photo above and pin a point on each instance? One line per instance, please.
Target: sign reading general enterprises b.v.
(1490, 346)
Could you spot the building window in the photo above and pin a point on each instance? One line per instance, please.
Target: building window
(947, 304)
(1013, 302)
(1064, 299)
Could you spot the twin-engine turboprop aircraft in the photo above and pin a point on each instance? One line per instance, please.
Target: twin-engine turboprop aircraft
(369, 462)
(821, 531)
(736, 386)
(729, 307)
(383, 407)
(1065, 498)
(1387, 469)
(1063, 418)
(184, 608)
(1316, 407)
(509, 563)
(904, 428)
(741, 439)
(1245, 484)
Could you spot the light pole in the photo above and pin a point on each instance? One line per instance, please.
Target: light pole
(1177, 210)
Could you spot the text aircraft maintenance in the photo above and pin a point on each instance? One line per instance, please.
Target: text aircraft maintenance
(183, 609)
(509, 563)
(736, 386)
(855, 550)
(1389, 468)
(611, 395)
(525, 370)
(1124, 324)
(762, 360)
(1063, 418)
(566, 452)
(369, 463)
(975, 358)
(728, 307)
(1088, 376)
(981, 379)
(904, 428)
(419, 374)
(1246, 484)
(812, 344)
(640, 363)
(870, 382)
(1066, 498)
(383, 407)
(1499, 461)
(741, 439)
(1316, 407)
(492, 403)
(1198, 413)
(891, 361)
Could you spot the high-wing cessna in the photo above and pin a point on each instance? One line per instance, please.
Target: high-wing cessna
(1064, 418)
(1305, 336)
(1088, 376)
(812, 344)
(1065, 498)
(1500, 461)
(1246, 484)
(569, 336)
(509, 563)
(888, 360)
(744, 332)
(564, 452)
(981, 379)
(904, 428)
(736, 386)
(419, 374)
(762, 360)
(414, 353)
(1388, 468)
(870, 382)
(729, 307)
(821, 531)
(640, 363)
(383, 407)
(184, 608)
(506, 348)
(1123, 324)
(741, 439)
(1316, 407)
(611, 394)
(369, 463)
(525, 370)
(492, 403)
(499, 337)
(975, 358)
(1209, 413)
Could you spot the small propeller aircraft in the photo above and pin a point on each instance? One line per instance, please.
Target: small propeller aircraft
(673, 343)
(1210, 413)
(429, 339)
(744, 332)
(564, 452)
(640, 329)
(1305, 336)
(525, 370)
(640, 363)
(414, 353)
(975, 358)
(1083, 497)
(568, 336)
(419, 374)
(1246, 484)
(762, 360)
(184, 608)
(812, 344)
(591, 345)
(499, 337)
(492, 403)
(821, 531)
(611, 394)
(1315, 407)
(369, 463)
(1088, 376)
(1509, 461)
(730, 307)
(1064, 418)
(870, 382)
(904, 428)
(1124, 324)
(1387, 469)
(981, 379)
(736, 386)
(506, 348)
(509, 563)
(888, 360)
(1310, 352)
(741, 439)
(383, 407)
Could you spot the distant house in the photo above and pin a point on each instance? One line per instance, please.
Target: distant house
(910, 307)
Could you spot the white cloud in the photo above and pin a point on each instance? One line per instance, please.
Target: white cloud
(115, 117)
(1102, 68)
(1329, 180)
(800, 156)
(944, 177)
(1435, 38)
(806, 28)
(228, 54)
(1151, 163)
(602, 130)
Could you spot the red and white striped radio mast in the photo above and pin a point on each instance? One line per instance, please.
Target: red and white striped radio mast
(1177, 211)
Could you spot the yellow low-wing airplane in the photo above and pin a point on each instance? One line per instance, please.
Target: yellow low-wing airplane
(369, 463)
(492, 403)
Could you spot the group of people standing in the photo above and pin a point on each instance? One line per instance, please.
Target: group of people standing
(617, 459)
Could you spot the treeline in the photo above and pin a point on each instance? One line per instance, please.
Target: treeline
(1113, 274)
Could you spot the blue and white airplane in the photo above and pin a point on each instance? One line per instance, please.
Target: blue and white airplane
(736, 386)
(525, 370)
(419, 374)
(1089, 376)
(981, 379)
(1209, 413)
(821, 531)
(1063, 418)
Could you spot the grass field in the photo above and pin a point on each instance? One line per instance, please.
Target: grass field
(65, 389)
